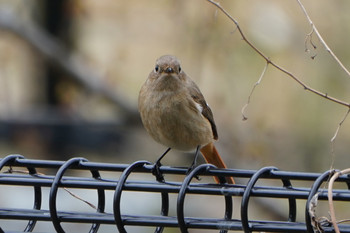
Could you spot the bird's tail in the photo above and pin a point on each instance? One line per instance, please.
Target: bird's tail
(212, 156)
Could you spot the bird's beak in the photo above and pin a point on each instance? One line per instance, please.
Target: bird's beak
(169, 70)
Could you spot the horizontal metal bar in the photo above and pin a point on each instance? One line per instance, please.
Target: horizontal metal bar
(167, 221)
(173, 187)
(172, 170)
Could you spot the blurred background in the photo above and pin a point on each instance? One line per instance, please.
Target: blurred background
(71, 70)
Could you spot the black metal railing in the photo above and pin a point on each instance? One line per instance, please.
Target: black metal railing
(15, 170)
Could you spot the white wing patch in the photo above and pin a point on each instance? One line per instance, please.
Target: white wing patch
(199, 107)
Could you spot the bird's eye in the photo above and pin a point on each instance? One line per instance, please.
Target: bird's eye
(180, 69)
(156, 69)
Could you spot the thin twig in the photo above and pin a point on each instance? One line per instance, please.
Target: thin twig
(308, 38)
(344, 220)
(330, 197)
(11, 170)
(252, 91)
(330, 201)
(314, 30)
(335, 136)
(80, 199)
(267, 59)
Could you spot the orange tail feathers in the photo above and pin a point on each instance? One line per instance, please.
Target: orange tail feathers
(212, 156)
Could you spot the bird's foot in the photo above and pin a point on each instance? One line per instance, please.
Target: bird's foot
(157, 173)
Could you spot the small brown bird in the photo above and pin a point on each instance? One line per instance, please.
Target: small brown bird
(175, 113)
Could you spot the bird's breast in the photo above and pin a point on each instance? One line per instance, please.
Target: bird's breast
(173, 120)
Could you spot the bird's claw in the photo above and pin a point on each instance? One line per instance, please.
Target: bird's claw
(157, 173)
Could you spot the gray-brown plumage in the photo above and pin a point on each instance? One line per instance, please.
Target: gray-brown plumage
(175, 113)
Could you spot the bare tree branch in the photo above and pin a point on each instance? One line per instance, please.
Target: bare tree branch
(267, 59)
(309, 38)
(314, 30)
(68, 62)
(80, 199)
(335, 136)
(252, 91)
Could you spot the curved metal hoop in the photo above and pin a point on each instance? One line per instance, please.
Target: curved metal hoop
(37, 189)
(118, 193)
(316, 185)
(182, 192)
(247, 194)
(101, 199)
(54, 189)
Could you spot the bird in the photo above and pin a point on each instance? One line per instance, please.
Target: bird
(174, 112)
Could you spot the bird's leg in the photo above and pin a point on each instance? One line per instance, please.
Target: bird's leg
(156, 171)
(194, 163)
